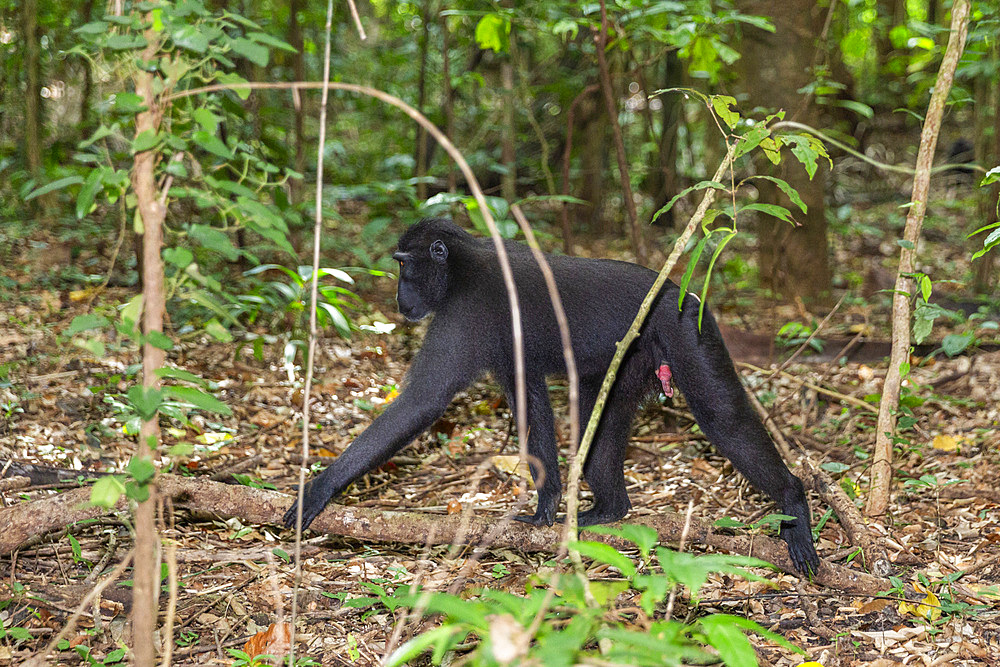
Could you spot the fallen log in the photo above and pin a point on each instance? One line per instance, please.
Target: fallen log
(24, 521)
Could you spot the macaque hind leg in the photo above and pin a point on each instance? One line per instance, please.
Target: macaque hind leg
(544, 454)
(604, 470)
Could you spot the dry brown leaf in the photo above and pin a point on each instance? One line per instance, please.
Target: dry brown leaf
(276, 640)
(265, 419)
(704, 469)
(872, 606)
(511, 465)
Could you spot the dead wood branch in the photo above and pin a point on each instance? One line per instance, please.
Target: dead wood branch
(21, 522)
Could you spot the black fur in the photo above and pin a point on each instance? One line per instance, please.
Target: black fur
(446, 271)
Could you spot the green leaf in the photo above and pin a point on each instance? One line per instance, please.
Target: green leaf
(708, 274)
(99, 133)
(191, 38)
(441, 635)
(179, 257)
(229, 78)
(925, 287)
(145, 140)
(208, 120)
(807, 150)
(789, 191)
(643, 537)
(252, 51)
(265, 38)
(145, 400)
(655, 589)
(142, 470)
(181, 449)
(86, 323)
(214, 329)
(605, 591)
(992, 176)
(340, 322)
(180, 374)
(857, 107)
(752, 139)
(692, 571)
(159, 340)
(199, 399)
(728, 522)
(212, 144)
(85, 200)
(214, 239)
(106, 491)
(733, 646)
(176, 168)
(689, 271)
(92, 28)
(137, 492)
(748, 625)
(131, 311)
(128, 103)
(261, 215)
(697, 186)
(773, 210)
(605, 553)
(564, 26)
(721, 104)
(955, 344)
(53, 186)
(493, 33)
(203, 298)
(123, 42)
(92, 345)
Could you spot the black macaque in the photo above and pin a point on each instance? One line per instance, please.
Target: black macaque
(445, 271)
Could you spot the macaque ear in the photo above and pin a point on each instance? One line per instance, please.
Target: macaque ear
(439, 251)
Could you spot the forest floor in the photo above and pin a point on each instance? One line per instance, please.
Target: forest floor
(59, 407)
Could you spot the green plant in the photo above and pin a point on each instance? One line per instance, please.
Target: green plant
(505, 627)
(113, 658)
(243, 659)
(289, 300)
(16, 633)
(793, 334)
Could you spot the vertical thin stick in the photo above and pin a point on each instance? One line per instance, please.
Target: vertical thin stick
(314, 288)
(680, 549)
(357, 21)
(881, 475)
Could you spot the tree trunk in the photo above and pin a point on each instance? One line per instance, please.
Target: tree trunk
(793, 261)
(299, 69)
(663, 182)
(635, 232)
(33, 91)
(593, 163)
(420, 157)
